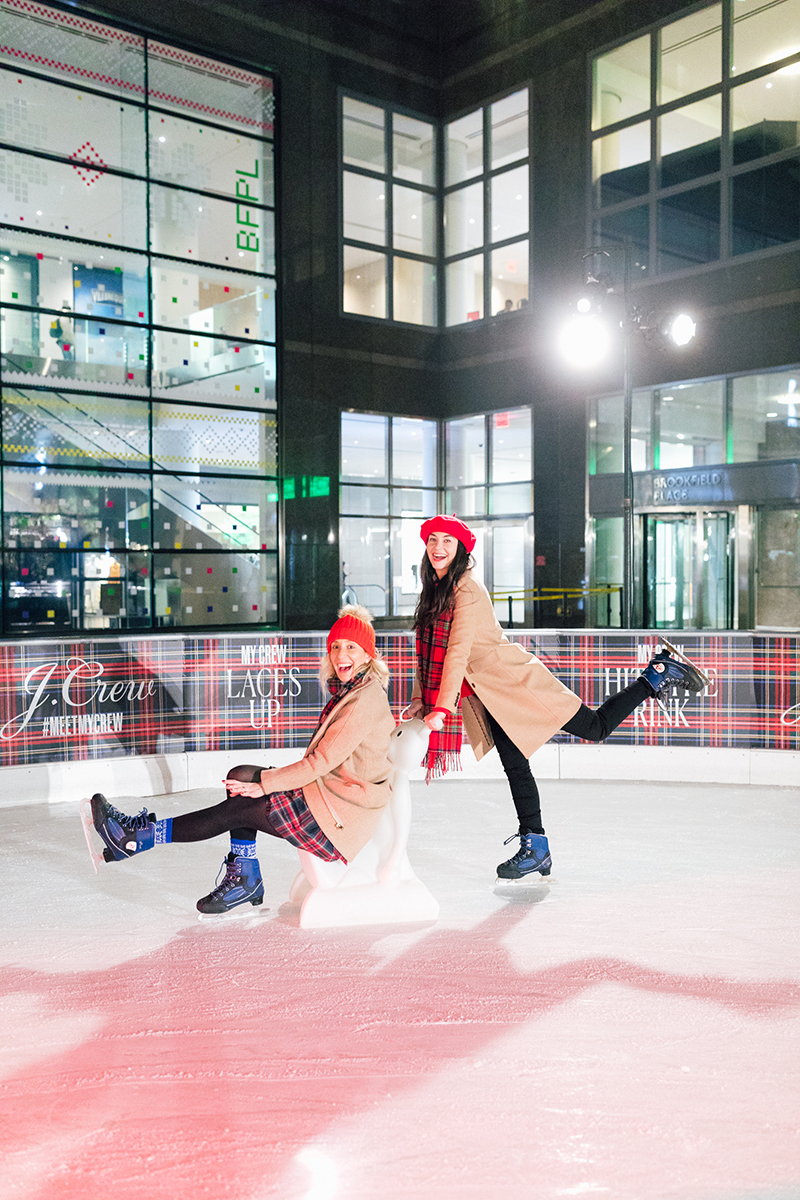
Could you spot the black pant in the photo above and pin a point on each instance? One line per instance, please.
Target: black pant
(240, 816)
(591, 724)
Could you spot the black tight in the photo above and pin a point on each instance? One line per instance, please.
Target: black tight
(591, 724)
(240, 816)
(595, 724)
(524, 791)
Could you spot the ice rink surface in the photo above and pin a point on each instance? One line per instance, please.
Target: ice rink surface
(629, 1029)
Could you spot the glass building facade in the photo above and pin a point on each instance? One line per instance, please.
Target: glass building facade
(140, 480)
(695, 144)
(397, 471)
(737, 439)
(137, 285)
(408, 210)
(487, 210)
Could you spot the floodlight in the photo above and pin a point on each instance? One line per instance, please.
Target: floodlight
(681, 329)
(665, 329)
(585, 340)
(591, 297)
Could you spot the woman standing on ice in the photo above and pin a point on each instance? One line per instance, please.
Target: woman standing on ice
(328, 803)
(466, 667)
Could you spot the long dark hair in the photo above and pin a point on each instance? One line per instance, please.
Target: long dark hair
(436, 596)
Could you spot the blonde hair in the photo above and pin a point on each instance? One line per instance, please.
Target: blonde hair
(376, 666)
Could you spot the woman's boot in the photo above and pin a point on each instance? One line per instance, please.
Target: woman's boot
(241, 885)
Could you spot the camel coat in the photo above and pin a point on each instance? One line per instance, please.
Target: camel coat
(344, 773)
(525, 699)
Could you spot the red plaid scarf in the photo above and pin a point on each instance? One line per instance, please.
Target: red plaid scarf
(338, 690)
(443, 753)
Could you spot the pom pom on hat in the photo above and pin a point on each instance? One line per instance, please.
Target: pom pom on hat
(354, 625)
(451, 525)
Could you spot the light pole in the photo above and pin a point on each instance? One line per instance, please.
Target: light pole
(587, 339)
(627, 468)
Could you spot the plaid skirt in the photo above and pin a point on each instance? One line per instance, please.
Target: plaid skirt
(292, 819)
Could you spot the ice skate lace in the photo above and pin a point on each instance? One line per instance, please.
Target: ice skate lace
(521, 853)
(139, 821)
(231, 875)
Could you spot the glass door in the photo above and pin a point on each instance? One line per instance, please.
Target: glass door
(688, 565)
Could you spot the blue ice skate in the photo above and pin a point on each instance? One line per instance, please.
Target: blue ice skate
(241, 885)
(533, 855)
(669, 667)
(123, 835)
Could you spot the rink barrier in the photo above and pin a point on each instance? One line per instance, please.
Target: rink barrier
(52, 783)
(142, 713)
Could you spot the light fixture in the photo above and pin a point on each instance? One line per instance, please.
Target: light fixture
(585, 340)
(592, 295)
(791, 394)
(665, 329)
(605, 316)
(682, 329)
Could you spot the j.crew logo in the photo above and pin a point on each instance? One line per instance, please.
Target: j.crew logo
(81, 674)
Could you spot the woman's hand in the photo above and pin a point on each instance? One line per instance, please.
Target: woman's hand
(415, 709)
(236, 787)
(434, 720)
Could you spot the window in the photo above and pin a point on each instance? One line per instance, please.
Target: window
(766, 417)
(605, 555)
(489, 464)
(137, 296)
(690, 426)
(489, 483)
(388, 487)
(605, 449)
(749, 418)
(389, 214)
(395, 202)
(693, 159)
(390, 483)
(487, 211)
(778, 576)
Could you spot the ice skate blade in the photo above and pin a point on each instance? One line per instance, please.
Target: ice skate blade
(87, 821)
(233, 914)
(533, 879)
(681, 657)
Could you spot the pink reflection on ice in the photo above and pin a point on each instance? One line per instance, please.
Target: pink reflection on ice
(223, 1054)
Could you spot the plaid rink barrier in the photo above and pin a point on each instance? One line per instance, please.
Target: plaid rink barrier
(67, 700)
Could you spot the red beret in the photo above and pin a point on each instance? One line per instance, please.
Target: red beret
(350, 628)
(451, 525)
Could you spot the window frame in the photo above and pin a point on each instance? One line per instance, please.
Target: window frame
(389, 181)
(392, 520)
(439, 192)
(486, 176)
(724, 177)
(151, 473)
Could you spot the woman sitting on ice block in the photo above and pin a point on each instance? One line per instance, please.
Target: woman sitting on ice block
(328, 803)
